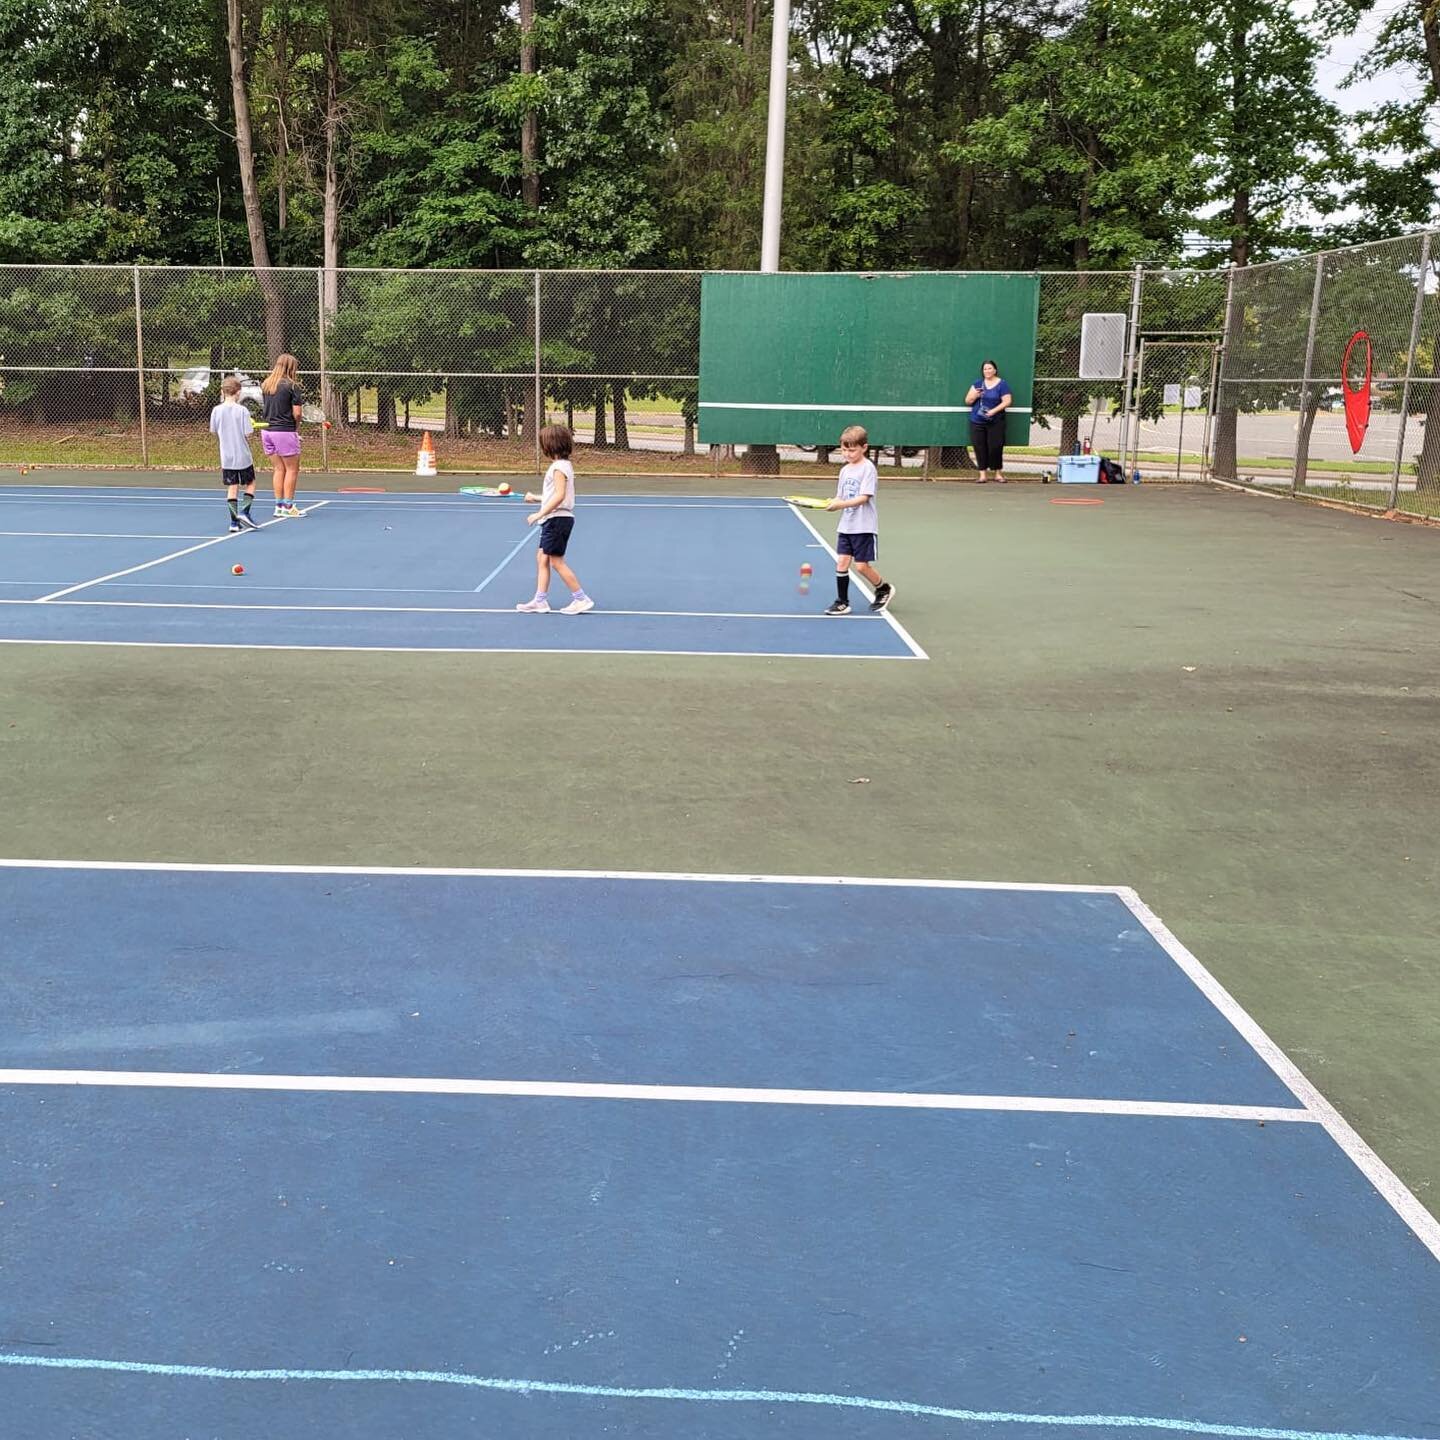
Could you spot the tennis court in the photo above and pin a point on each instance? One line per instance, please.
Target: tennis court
(371, 1154)
(430, 1040)
(673, 574)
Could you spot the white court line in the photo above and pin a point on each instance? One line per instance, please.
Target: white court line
(163, 559)
(97, 535)
(708, 877)
(859, 580)
(401, 499)
(529, 535)
(701, 1094)
(453, 649)
(1394, 1190)
(1387, 1184)
(429, 609)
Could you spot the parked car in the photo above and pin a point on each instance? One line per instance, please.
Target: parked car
(197, 381)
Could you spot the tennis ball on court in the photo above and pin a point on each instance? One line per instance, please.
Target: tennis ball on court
(807, 569)
(237, 569)
(503, 489)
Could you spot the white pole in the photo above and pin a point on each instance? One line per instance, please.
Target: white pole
(775, 138)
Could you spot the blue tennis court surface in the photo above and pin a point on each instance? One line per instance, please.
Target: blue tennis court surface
(431, 1154)
(669, 574)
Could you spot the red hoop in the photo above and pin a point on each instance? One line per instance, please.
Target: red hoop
(1357, 402)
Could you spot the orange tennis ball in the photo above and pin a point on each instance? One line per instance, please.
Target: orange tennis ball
(807, 569)
(504, 489)
(237, 569)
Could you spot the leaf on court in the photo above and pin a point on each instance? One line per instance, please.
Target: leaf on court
(861, 780)
(1188, 669)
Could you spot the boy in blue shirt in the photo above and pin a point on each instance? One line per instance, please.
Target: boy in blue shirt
(857, 540)
(230, 422)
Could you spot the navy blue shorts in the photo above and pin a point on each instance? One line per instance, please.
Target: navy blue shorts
(861, 547)
(238, 477)
(555, 534)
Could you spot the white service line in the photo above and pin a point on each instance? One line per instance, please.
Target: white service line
(1394, 1190)
(699, 1094)
(98, 535)
(458, 649)
(187, 867)
(433, 609)
(163, 559)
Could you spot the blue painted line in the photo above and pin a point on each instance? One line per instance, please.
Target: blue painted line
(759, 1397)
(524, 540)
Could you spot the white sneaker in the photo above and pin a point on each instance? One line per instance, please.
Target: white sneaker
(578, 607)
(535, 607)
(280, 513)
(293, 512)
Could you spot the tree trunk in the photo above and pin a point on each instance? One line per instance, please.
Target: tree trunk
(1302, 448)
(600, 442)
(622, 420)
(330, 278)
(1226, 416)
(1069, 434)
(530, 123)
(956, 457)
(760, 460)
(385, 406)
(1430, 30)
(689, 448)
(1427, 462)
(245, 152)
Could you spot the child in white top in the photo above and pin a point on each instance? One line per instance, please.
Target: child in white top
(232, 425)
(556, 519)
(857, 540)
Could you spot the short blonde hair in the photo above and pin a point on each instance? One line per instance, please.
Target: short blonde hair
(854, 435)
(230, 385)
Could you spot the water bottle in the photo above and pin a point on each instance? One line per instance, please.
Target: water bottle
(1135, 478)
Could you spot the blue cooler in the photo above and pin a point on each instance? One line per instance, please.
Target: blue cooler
(1079, 470)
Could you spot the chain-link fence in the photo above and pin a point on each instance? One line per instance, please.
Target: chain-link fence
(1240, 378)
(1329, 376)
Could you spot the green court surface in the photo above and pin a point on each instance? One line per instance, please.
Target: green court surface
(1228, 702)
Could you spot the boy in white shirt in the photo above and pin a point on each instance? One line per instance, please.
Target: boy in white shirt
(556, 519)
(230, 422)
(857, 540)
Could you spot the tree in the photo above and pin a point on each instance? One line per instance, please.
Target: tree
(1273, 145)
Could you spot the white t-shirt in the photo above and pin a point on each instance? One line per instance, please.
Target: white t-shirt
(231, 421)
(560, 475)
(858, 479)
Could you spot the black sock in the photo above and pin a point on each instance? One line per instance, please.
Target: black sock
(231, 504)
(246, 501)
(842, 586)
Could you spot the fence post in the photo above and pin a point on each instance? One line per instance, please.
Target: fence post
(1410, 368)
(1302, 448)
(1212, 400)
(140, 369)
(1130, 368)
(537, 418)
(324, 377)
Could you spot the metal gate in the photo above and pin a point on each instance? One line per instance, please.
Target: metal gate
(1170, 416)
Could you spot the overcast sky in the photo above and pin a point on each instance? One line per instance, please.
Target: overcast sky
(1345, 53)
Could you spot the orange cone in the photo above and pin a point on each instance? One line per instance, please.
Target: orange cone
(425, 457)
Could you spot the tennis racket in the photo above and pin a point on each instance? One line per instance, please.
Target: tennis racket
(507, 493)
(807, 502)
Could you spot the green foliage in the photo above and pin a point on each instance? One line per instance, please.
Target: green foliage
(921, 133)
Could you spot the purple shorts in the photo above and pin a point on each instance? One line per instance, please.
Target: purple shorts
(280, 442)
